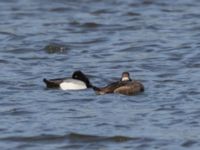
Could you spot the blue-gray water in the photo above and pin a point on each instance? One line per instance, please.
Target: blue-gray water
(158, 42)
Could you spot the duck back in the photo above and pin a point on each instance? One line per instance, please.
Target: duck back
(131, 88)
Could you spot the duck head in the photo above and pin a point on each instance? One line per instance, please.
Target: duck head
(125, 76)
(82, 77)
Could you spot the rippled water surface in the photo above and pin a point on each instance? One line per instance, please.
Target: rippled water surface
(158, 42)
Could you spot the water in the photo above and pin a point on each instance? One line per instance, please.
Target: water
(156, 41)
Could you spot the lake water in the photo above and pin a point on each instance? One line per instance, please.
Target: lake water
(158, 42)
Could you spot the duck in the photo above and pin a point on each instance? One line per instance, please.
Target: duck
(125, 86)
(78, 81)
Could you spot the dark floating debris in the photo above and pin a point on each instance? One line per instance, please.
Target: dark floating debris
(133, 14)
(85, 24)
(55, 48)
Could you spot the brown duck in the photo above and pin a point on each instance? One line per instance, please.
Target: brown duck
(125, 86)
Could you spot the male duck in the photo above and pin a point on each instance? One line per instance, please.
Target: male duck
(78, 81)
(125, 86)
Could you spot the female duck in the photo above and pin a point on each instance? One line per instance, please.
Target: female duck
(125, 86)
(78, 81)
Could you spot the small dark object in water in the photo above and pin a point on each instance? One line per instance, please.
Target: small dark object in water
(55, 48)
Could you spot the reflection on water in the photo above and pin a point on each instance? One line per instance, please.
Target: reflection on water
(156, 41)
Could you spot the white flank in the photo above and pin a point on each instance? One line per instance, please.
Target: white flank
(72, 84)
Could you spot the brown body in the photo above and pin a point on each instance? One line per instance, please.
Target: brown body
(131, 88)
(125, 87)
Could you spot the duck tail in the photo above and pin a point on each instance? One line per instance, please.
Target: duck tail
(98, 91)
(45, 80)
(50, 84)
(95, 88)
